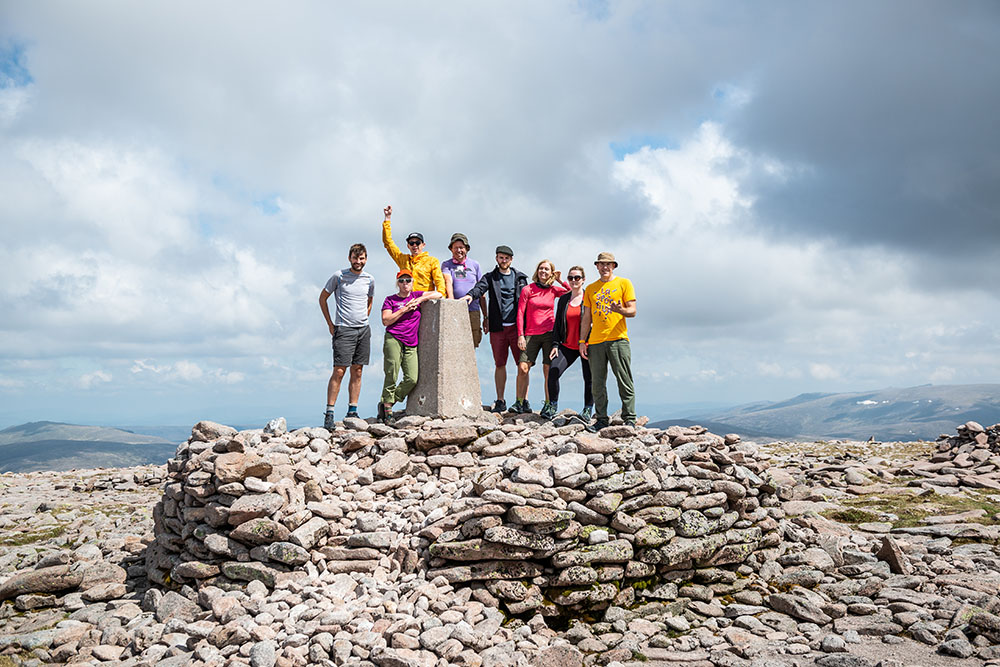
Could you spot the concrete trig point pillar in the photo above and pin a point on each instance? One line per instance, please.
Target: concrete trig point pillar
(447, 378)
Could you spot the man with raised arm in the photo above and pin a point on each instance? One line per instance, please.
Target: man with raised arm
(607, 302)
(426, 270)
(353, 290)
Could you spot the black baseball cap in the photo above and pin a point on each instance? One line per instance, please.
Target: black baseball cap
(415, 235)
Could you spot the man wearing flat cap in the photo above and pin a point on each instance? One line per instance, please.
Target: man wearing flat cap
(461, 273)
(426, 270)
(607, 302)
(504, 285)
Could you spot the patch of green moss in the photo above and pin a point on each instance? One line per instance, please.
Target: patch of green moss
(643, 584)
(851, 515)
(910, 509)
(31, 537)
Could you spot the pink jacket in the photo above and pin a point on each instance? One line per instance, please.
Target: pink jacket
(535, 309)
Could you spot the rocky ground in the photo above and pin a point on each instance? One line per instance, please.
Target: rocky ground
(887, 556)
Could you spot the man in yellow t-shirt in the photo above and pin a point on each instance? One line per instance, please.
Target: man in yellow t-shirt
(604, 339)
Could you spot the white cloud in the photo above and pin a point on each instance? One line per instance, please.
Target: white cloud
(776, 370)
(10, 383)
(943, 374)
(89, 380)
(14, 101)
(177, 228)
(187, 370)
(695, 186)
(823, 371)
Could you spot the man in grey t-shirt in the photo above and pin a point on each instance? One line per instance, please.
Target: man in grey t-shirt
(353, 290)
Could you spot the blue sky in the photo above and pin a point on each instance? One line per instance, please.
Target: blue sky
(804, 194)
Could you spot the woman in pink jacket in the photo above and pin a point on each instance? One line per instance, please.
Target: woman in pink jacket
(535, 319)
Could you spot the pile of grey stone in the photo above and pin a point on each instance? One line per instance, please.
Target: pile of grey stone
(970, 458)
(259, 505)
(487, 542)
(970, 437)
(565, 522)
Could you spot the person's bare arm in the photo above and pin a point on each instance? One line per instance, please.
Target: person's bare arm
(370, 301)
(429, 296)
(626, 310)
(585, 324)
(325, 307)
(389, 317)
(449, 289)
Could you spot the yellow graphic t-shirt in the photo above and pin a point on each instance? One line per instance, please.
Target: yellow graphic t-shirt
(605, 323)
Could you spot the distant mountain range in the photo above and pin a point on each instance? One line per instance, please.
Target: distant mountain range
(56, 446)
(913, 413)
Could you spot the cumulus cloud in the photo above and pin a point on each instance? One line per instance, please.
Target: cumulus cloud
(89, 380)
(808, 202)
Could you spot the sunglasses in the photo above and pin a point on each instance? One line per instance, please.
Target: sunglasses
(404, 280)
(574, 278)
(414, 242)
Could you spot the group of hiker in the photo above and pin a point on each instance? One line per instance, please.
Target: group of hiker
(562, 320)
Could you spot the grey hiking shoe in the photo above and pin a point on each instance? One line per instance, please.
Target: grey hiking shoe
(597, 425)
(329, 421)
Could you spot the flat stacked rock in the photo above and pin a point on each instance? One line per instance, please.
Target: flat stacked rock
(261, 505)
(565, 522)
(971, 458)
(490, 543)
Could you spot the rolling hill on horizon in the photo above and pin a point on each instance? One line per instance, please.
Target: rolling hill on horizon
(46, 445)
(910, 413)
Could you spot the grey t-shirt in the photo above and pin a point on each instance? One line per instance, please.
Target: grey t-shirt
(351, 293)
(507, 311)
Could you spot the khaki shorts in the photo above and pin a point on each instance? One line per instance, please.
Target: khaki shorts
(541, 342)
(476, 320)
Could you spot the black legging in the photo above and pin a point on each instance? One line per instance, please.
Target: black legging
(565, 359)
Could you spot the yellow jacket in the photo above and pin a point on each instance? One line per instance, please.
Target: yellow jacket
(426, 270)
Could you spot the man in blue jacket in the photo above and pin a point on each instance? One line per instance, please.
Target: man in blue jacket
(504, 285)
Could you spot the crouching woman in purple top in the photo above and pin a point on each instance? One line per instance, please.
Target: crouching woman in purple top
(401, 317)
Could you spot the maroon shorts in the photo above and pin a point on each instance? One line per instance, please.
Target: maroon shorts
(501, 341)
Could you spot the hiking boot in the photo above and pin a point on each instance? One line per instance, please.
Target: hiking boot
(380, 415)
(548, 410)
(587, 414)
(520, 408)
(352, 412)
(329, 422)
(598, 425)
(499, 406)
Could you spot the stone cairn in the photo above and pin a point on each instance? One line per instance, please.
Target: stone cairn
(970, 458)
(549, 518)
(971, 439)
(570, 523)
(256, 505)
